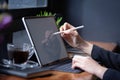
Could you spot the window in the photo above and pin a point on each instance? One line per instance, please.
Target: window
(18, 4)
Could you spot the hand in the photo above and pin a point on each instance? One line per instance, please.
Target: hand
(89, 65)
(84, 62)
(72, 37)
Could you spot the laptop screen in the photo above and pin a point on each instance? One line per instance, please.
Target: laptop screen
(48, 47)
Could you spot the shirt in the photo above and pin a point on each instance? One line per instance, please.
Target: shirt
(109, 59)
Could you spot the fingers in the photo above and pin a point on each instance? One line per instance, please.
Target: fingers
(75, 61)
(65, 26)
(79, 61)
(74, 65)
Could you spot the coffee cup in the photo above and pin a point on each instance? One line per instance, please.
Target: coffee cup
(17, 54)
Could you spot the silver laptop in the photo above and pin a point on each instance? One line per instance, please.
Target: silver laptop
(49, 49)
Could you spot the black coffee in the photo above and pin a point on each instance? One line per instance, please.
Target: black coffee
(19, 56)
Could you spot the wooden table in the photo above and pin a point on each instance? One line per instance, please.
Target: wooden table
(56, 75)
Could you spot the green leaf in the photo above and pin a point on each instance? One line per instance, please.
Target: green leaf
(45, 13)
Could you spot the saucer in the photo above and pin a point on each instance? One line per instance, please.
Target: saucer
(28, 64)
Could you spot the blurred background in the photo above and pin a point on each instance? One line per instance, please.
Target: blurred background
(101, 18)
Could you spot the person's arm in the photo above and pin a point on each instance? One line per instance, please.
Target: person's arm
(73, 38)
(111, 74)
(87, 64)
(107, 58)
(97, 53)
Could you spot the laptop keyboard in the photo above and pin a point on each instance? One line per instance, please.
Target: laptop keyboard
(67, 68)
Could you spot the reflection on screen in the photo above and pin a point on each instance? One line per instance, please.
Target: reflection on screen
(48, 47)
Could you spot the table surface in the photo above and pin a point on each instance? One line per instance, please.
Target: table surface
(56, 75)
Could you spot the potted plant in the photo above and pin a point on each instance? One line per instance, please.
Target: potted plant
(45, 13)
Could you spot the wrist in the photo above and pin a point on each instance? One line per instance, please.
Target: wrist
(99, 72)
(86, 47)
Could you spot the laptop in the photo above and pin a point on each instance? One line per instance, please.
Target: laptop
(49, 49)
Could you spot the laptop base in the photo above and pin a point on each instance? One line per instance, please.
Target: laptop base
(39, 71)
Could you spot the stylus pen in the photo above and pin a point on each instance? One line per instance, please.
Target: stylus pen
(59, 32)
